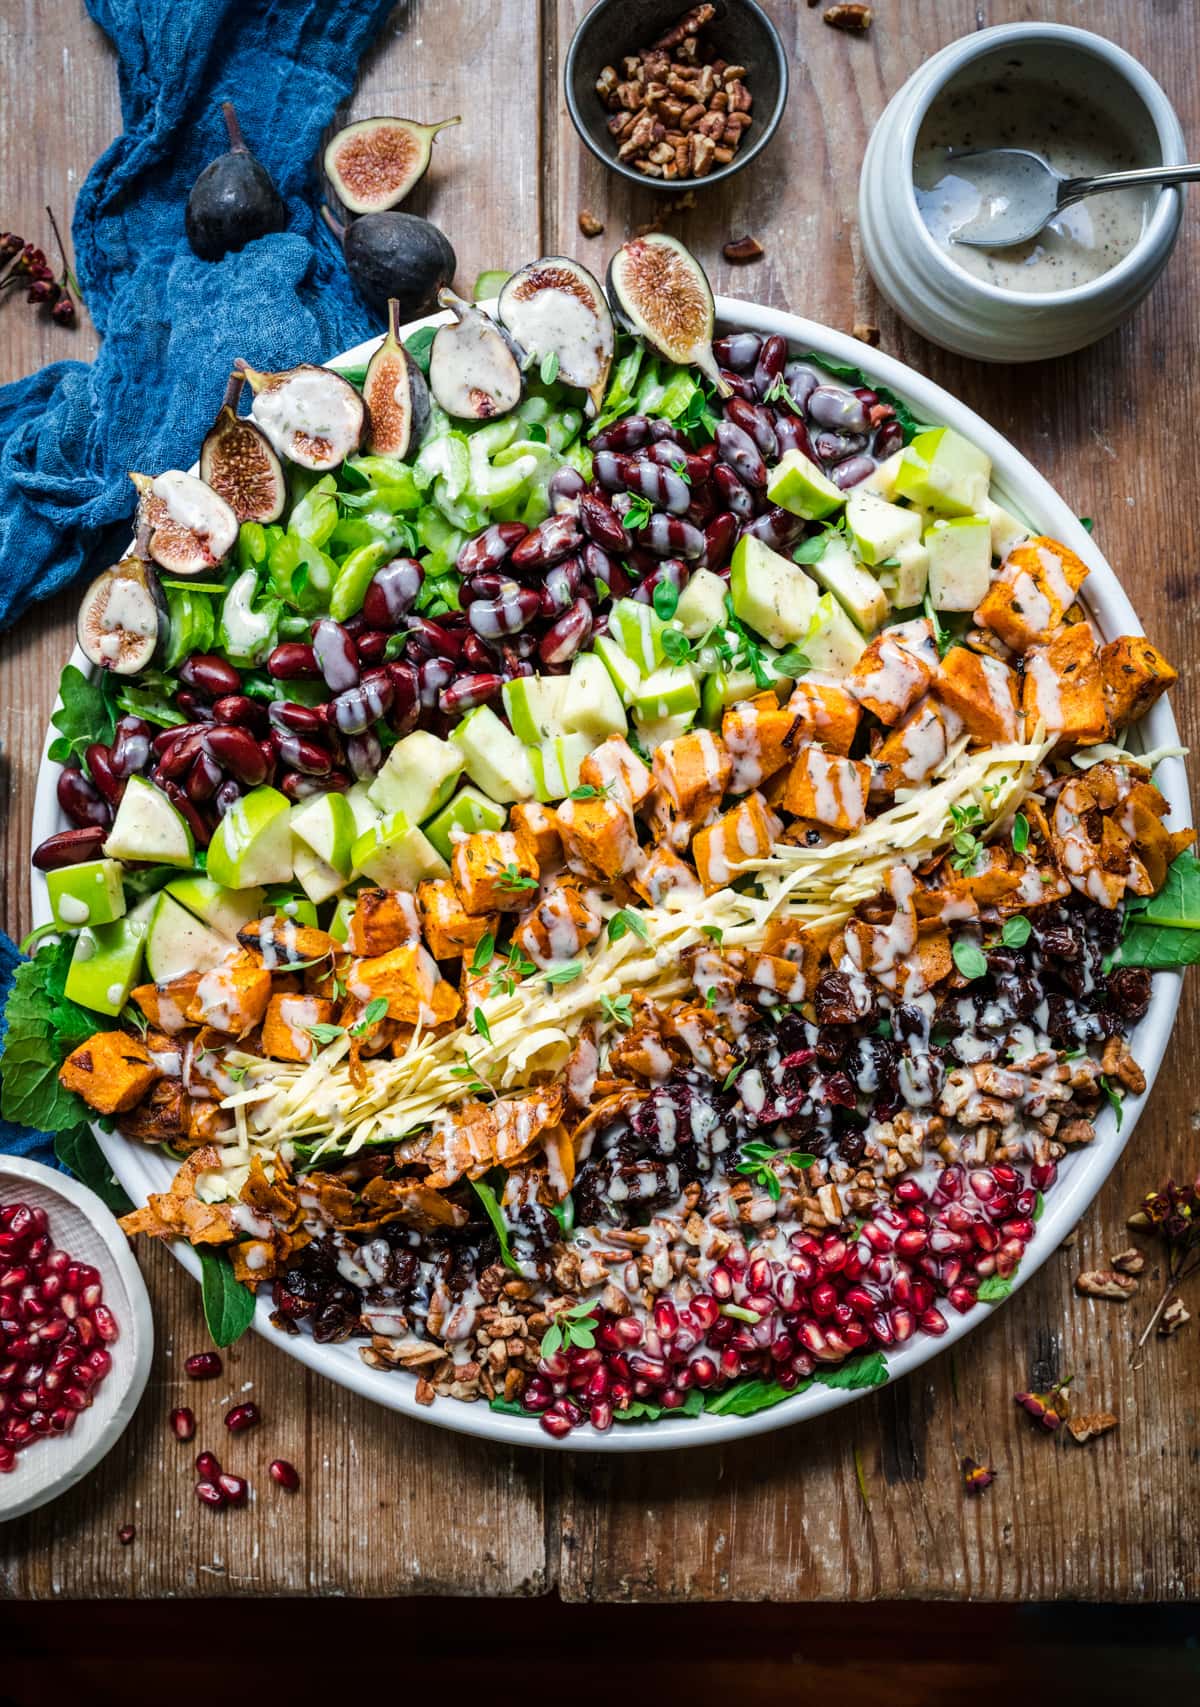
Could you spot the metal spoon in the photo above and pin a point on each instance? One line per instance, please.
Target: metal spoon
(1022, 193)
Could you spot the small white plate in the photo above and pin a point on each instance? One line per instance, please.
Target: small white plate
(80, 1224)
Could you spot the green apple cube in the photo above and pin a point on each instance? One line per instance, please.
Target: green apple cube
(652, 732)
(882, 481)
(942, 471)
(298, 908)
(177, 942)
(623, 673)
(495, 760)
(771, 593)
(726, 687)
(325, 826)
(418, 776)
(592, 704)
(555, 765)
(147, 827)
(906, 577)
(701, 604)
(667, 692)
(362, 807)
(637, 629)
(107, 961)
(339, 925)
(395, 855)
(833, 645)
(855, 588)
(226, 910)
(319, 880)
(252, 844)
(960, 561)
(86, 894)
(798, 485)
(467, 812)
(534, 706)
(1007, 531)
(878, 529)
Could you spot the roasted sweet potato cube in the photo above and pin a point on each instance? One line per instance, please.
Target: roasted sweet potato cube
(1064, 689)
(828, 789)
(895, 670)
(382, 919)
(280, 943)
(983, 692)
(409, 981)
(1135, 675)
(691, 775)
(598, 836)
(803, 944)
(558, 926)
(536, 829)
(824, 713)
(111, 1072)
(614, 770)
(165, 1005)
(738, 840)
(913, 750)
(285, 1033)
(493, 872)
(233, 997)
(661, 874)
(1035, 588)
(758, 733)
(158, 1118)
(936, 956)
(450, 931)
(782, 980)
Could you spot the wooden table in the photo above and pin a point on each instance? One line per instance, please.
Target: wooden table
(394, 1507)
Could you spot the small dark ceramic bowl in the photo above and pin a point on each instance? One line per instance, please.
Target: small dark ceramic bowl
(741, 33)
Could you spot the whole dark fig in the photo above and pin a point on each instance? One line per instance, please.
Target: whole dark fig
(396, 255)
(233, 201)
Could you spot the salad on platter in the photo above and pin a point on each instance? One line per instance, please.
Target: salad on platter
(610, 863)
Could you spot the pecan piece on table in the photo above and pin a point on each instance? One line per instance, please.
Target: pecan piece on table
(1106, 1283)
(853, 18)
(1088, 1427)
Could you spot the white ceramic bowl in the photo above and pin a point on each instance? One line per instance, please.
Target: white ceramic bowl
(81, 1224)
(950, 305)
(1022, 490)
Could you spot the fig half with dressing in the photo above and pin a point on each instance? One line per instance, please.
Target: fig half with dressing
(396, 395)
(123, 617)
(187, 527)
(374, 164)
(473, 370)
(555, 309)
(660, 291)
(238, 462)
(309, 414)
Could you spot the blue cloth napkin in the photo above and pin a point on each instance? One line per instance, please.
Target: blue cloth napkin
(173, 324)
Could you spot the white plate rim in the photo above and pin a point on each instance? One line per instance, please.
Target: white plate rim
(1019, 487)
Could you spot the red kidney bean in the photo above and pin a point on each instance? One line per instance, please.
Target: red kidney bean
(195, 707)
(738, 350)
(739, 450)
(293, 661)
(642, 562)
(301, 755)
(840, 410)
(199, 825)
(740, 385)
(670, 536)
(238, 752)
(428, 639)
(176, 759)
(801, 380)
(703, 506)
(664, 432)
(356, 625)
(720, 537)
(335, 653)
(204, 778)
(226, 796)
(372, 645)
(432, 676)
(755, 419)
(835, 447)
(667, 454)
(476, 653)
(364, 754)
(853, 469)
(732, 493)
(297, 786)
(406, 701)
(565, 487)
(628, 434)
(776, 528)
(792, 434)
(772, 359)
(614, 578)
(560, 643)
(515, 609)
(489, 549)
(552, 540)
(562, 587)
(236, 708)
(70, 847)
(357, 708)
(210, 675)
(707, 454)
(602, 524)
(131, 746)
(671, 571)
(299, 719)
(889, 438)
(167, 738)
(82, 801)
(608, 470)
(868, 398)
(99, 764)
(660, 486)
(392, 592)
(269, 755)
(466, 692)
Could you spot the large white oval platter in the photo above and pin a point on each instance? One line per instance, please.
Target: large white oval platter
(1020, 488)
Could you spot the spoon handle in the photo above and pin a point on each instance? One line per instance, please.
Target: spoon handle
(1073, 189)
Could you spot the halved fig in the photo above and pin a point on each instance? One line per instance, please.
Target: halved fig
(372, 165)
(395, 394)
(473, 372)
(555, 308)
(186, 526)
(311, 415)
(660, 290)
(237, 461)
(122, 617)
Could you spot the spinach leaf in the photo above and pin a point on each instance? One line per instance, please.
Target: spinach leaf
(495, 1215)
(508, 1407)
(418, 347)
(228, 1305)
(640, 1410)
(1163, 930)
(994, 1289)
(31, 1094)
(79, 1153)
(869, 1370)
(42, 1027)
(87, 714)
(746, 1398)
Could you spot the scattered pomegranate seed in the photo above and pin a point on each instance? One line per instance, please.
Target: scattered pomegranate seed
(126, 1534)
(202, 1366)
(183, 1422)
(208, 1467)
(208, 1493)
(242, 1417)
(285, 1474)
(235, 1488)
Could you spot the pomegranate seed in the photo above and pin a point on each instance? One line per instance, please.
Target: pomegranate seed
(126, 1534)
(8, 1460)
(207, 1467)
(537, 1396)
(881, 1327)
(183, 1423)
(834, 1252)
(909, 1191)
(961, 1298)
(1043, 1175)
(557, 1427)
(721, 1282)
(621, 1394)
(903, 1322)
(704, 1371)
(1020, 1230)
(242, 1417)
(76, 1398)
(13, 1278)
(912, 1242)
(285, 1474)
(600, 1416)
(202, 1366)
(731, 1364)
(855, 1335)
(235, 1488)
(666, 1318)
(106, 1323)
(823, 1299)
(209, 1494)
(629, 1330)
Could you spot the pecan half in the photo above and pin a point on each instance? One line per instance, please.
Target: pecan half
(1173, 1318)
(742, 249)
(589, 224)
(1129, 1261)
(854, 18)
(1088, 1427)
(1106, 1283)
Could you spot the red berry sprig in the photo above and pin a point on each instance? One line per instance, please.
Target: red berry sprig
(28, 267)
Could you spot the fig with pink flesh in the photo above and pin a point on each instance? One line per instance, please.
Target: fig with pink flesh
(238, 462)
(309, 414)
(373, 165)
(555, 309)
(660, 291)
(473, 371)
(186, 526)
(122, 618)
(395, 394)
